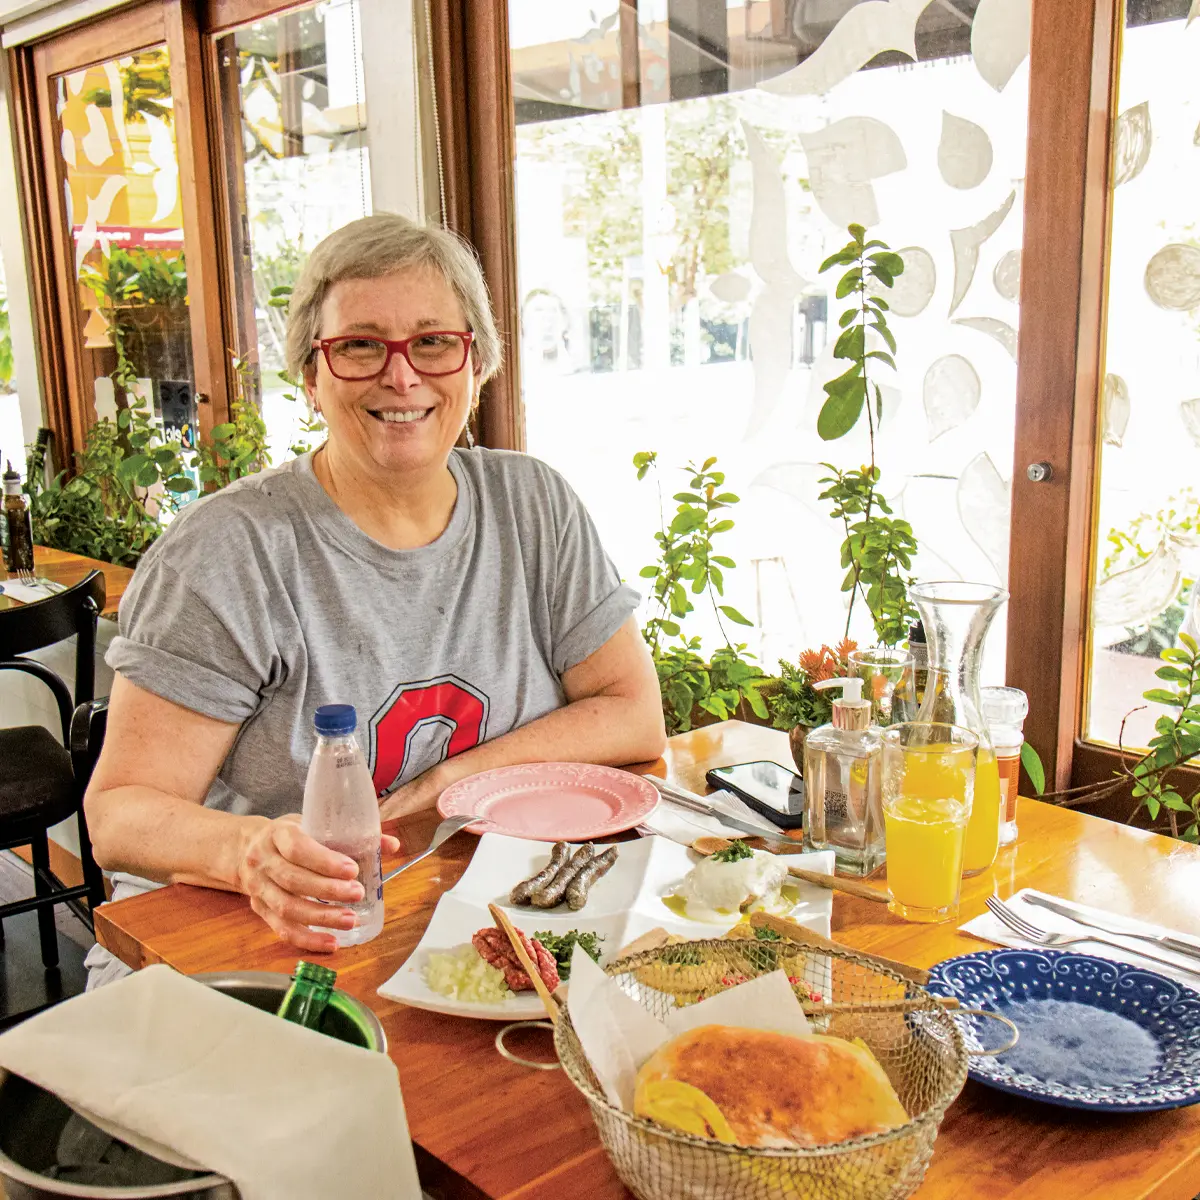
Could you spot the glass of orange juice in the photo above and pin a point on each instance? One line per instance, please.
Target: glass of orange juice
(928, 790)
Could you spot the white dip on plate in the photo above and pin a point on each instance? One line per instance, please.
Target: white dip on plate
(716, 890)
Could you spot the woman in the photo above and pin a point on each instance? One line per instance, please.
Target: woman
(460, 599)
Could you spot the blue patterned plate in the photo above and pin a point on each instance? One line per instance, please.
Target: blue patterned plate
(1095, 1034)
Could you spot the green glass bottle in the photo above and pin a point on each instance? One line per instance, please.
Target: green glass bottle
(310, 993)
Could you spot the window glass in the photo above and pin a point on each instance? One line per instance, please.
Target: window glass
(1148, 521)
(297, 168)
(12, 434)
(683, 169)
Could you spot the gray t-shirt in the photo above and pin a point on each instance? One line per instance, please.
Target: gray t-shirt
(265, 601)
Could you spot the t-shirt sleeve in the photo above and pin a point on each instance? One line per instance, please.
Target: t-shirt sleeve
(195, 633)
(590, 602)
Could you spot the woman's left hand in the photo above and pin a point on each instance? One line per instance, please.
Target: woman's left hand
(416, 795)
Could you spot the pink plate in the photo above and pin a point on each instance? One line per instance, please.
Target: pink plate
(569, 802)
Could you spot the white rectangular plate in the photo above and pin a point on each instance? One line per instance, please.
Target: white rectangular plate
(621, 906)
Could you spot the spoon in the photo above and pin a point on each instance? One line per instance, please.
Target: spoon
(447, 829)
(710, 845)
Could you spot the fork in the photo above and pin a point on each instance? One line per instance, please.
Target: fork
(1031, 933)
(446, 830)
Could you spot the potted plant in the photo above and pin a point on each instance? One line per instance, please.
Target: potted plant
(795, 705)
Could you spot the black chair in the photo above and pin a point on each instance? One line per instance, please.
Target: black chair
(40, 783)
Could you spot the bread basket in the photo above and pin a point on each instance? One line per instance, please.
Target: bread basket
(915, 1040)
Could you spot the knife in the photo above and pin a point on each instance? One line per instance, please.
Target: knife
(1165, 941)
(675, 795)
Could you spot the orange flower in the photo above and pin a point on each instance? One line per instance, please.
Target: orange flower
(825, 663)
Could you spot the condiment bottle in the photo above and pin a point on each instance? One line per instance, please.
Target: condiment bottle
(19, 552)
(308, 997)
(918, 650)
(1004, 710)
(843, 809)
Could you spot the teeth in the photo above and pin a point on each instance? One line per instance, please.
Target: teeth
(412, 415)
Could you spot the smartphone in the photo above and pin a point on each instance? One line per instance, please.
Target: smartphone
(768, 788)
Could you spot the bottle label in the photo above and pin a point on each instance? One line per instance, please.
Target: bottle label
(1010, 771)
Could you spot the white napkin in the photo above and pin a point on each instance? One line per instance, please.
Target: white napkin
(682, 825)
(991, 929)
(164, 1061)
(27, 593)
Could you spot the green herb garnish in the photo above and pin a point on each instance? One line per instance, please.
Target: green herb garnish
(734, 852)
(766, 935)
(561, 946)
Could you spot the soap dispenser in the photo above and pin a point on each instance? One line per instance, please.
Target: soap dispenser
(843, 809)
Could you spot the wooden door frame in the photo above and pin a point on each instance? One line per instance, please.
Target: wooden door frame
(1060, 354)
(70, 410)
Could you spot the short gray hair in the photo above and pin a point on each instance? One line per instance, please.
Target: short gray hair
(378, 245)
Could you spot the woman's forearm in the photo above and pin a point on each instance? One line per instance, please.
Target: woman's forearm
(162, 837)
(613, 730)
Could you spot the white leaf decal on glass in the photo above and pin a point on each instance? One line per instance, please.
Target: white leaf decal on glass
(1194, 12)
(1132, 143)
(966, 243)
(98, 208)
(800, 480)
(964, 152)
(730, 288)
(912, 290)
(67, 145)
(116, 112)
(1189, 410)
(1007, 275)
(771, 317)
(1140, 593)
(985, 509)
(161, 152)
(1196, 137)
(843, 158)
(96, 143)
(1173, 277)
(1000, 39)
(1002, 331)
(951, 394)
(865, 31)
(1116, 409)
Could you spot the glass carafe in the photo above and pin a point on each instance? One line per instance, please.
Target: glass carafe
(956, 617)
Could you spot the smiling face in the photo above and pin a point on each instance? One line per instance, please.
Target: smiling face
(399, 422)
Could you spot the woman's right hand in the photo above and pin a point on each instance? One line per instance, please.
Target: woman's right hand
(285, 873)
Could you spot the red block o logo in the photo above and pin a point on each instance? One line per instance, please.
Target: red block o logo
(447, 701)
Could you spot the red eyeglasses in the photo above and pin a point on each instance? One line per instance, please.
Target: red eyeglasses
(438, 352)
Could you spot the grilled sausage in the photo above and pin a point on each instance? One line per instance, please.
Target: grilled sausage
(558, 858)
(556, 889)
(577, 889)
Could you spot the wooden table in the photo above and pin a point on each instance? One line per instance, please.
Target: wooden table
(66, 568)
(486, 1128)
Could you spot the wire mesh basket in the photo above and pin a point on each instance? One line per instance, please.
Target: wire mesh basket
(915, 1040)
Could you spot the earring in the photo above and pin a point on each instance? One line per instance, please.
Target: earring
(470, 436)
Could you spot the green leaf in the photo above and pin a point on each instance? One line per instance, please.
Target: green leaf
(129, 467)
(728, 498)
(221, 432)
(1174, 673)
(889, 261)
(879, 354)
(733, 614)
(147, 476)
(180, 484)
(687, 498)
(840, 413)
(709, 463)
(649, 572)
(722, 561)
(884, 332)
(1032, 762)
(722, 526)
(1162, 696)
(123, 418)
(850, 343)
(1152, 806)
(848, 283)
(847, 317)
(670, 628)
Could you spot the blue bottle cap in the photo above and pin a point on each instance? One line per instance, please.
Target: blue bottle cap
(335, 720)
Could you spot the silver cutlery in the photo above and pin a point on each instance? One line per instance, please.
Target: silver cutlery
(689, 800)
(1163, 940)
(446, 830)
(1053, 941)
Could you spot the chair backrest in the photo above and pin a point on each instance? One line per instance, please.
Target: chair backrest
(44, 622)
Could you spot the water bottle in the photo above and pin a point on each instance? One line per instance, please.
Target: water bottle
(341, 811)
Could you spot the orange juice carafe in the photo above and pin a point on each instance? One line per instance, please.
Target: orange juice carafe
(956, 617)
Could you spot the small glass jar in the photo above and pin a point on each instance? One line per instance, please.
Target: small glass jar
(1004, 710)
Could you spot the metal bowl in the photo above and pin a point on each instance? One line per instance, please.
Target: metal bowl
(32, 1120)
